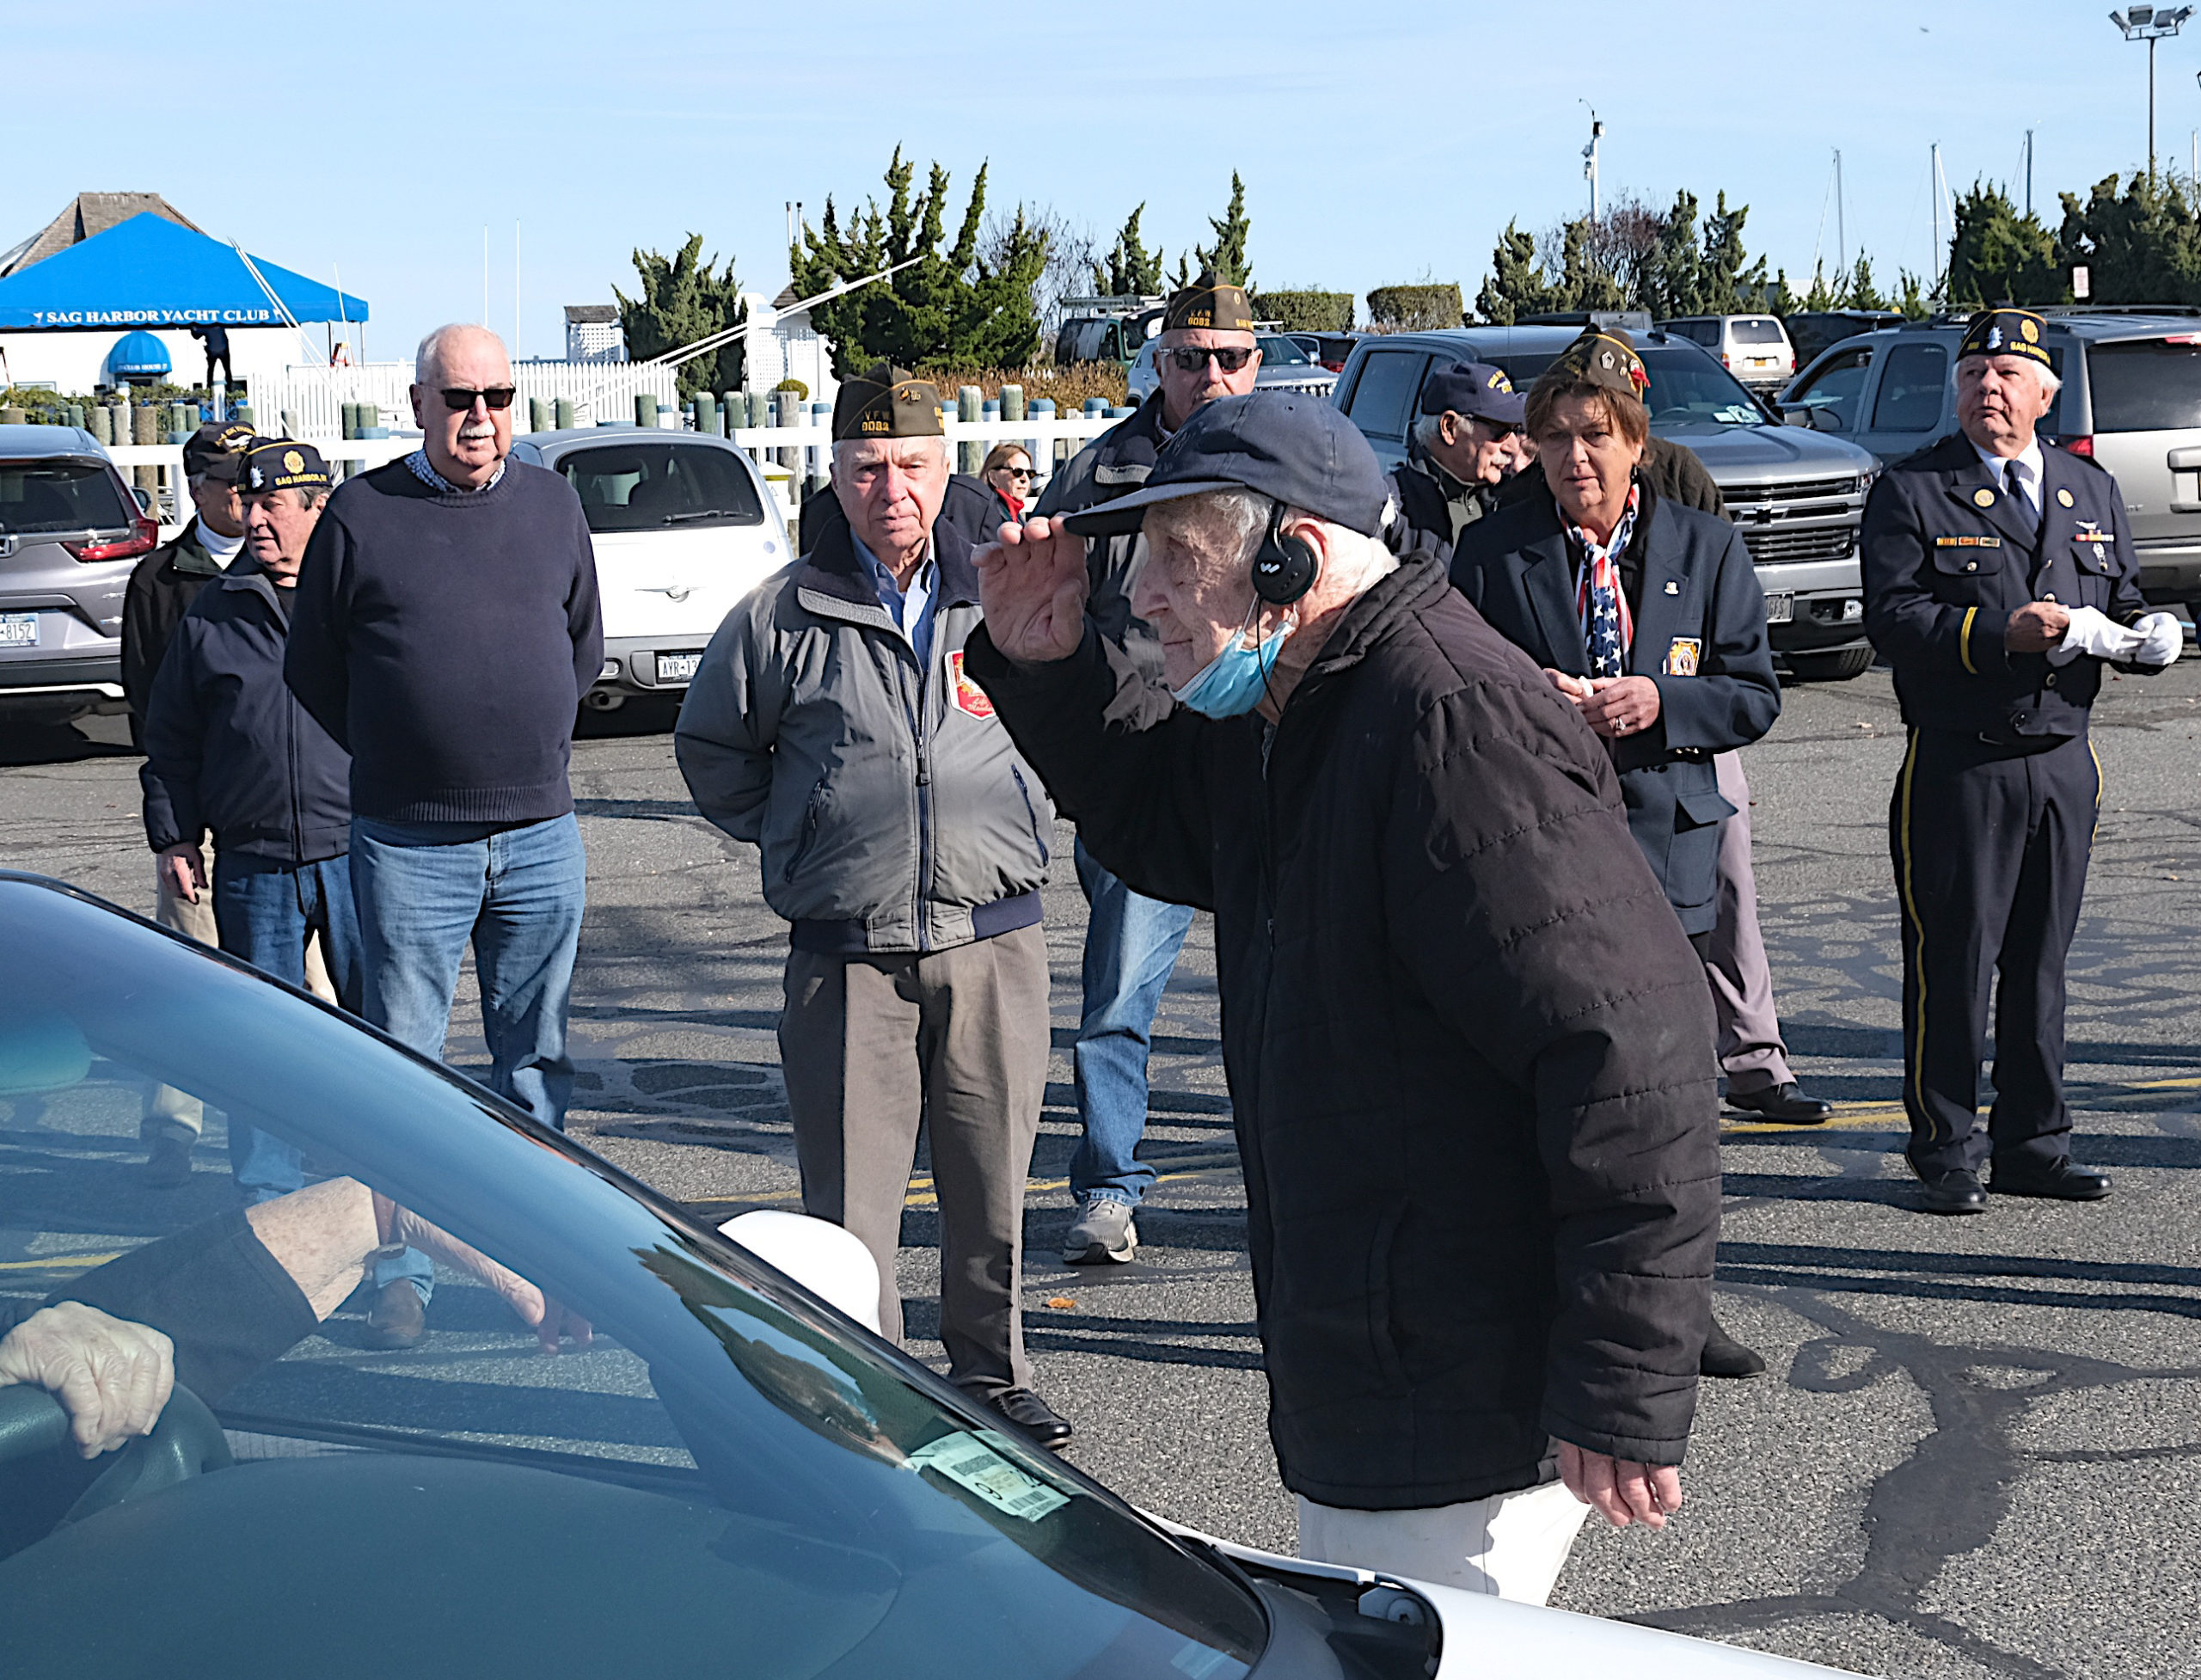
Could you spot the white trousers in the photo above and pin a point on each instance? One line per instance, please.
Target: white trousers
(1509, 1546)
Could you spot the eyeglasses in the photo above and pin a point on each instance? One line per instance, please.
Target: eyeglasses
(459, 399)
(1016, 472)
(1192, 361)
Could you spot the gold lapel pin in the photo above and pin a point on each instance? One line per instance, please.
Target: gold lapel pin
(1983, 498)
(2064, 497)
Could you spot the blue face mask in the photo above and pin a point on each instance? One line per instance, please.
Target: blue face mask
(1232, 683)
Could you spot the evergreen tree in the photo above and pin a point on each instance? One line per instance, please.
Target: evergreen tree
(1910, 296)
(1859, 292)
(681, 302)
(2142, 246)
(1129, 270)
(1996, 255)
(1516, 286)
(954, 306)
(1677, 280)
(1725, 284)
(1227, 256)
(1583, 283)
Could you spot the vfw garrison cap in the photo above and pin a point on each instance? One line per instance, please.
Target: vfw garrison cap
(1475, 389)
(281, 463)
(1208, 303)
(1604, 356)
(2004, 333)
(215, 451)
(886, 401)
(1293, 448)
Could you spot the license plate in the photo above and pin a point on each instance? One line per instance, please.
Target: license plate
(1780, 606)
(1761, 361)
(677, 667)
(18, 630)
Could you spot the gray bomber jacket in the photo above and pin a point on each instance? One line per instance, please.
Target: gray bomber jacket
(891, 809)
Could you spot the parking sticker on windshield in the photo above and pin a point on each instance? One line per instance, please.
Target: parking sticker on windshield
(965, 1460)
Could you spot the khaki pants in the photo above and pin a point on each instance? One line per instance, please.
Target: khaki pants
(957, 1040)
(1508, 1545)
(169, 1110)
(1751, 1053)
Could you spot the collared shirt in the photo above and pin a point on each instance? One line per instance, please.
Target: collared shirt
(911, 608)
(2030, 466)
(222, 550)
(418, 461)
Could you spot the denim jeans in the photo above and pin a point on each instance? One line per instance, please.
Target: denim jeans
(424, 891)
(1131, 943)
(264, 910)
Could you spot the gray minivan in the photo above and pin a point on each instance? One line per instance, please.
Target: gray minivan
(2131, 403)
(1798, 497)
(70, 531)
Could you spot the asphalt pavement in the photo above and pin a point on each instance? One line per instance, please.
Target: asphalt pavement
(1979, 1449)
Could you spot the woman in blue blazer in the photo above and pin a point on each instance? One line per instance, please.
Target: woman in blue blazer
(1645, 612)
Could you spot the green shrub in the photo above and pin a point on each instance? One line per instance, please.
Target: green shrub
(802, 391)
(1415, 307)
(1306, 310)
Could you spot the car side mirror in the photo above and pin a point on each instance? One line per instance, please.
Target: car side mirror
(1825, 419)
(831, 1263)
(144, 498)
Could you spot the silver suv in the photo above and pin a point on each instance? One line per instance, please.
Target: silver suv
(70, 530)
(1284, 366)
(1798, 497)
(2131, 402)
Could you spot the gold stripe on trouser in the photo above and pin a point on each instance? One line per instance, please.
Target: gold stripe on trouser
(1914, 1068)
(1964, 640)
(2094, 833)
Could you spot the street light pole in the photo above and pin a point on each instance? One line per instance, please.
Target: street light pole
(1590, 153)
(2150, 24)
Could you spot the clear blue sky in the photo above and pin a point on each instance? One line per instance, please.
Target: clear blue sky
(381, 139)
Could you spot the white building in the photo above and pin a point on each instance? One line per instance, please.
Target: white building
(787, 347)
(593, 333)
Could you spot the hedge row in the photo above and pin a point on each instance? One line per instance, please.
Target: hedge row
(1416, 308)
(1306, 311)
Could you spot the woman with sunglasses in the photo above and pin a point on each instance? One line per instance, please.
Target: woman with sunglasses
(1008, 475)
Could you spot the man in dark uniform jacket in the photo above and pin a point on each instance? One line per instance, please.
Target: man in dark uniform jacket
(1207, 350)
(1469, 409)
(1999, 578)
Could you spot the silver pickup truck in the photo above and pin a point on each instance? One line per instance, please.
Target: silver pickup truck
(1797, 495)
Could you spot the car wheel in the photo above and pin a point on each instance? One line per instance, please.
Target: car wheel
(1838, 666)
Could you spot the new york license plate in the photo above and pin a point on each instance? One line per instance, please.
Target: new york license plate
(1780, 606)
(18, 630)
(677, 667)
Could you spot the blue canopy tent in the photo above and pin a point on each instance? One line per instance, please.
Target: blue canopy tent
(148, 272)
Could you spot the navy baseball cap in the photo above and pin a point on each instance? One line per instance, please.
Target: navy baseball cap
(1291, 447)
(1477, 390)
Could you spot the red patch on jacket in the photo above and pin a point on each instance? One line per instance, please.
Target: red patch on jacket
(970, 698)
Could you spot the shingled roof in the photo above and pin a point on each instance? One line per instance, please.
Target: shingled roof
(89, 213)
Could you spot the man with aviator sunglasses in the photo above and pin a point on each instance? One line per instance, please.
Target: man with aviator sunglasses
(1207, 350)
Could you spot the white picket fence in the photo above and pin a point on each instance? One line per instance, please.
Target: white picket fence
(314, 397)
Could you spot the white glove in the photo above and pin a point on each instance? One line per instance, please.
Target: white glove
(2162, 639)
(2094, 632)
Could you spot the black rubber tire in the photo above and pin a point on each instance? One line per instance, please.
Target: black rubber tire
(1838, 666)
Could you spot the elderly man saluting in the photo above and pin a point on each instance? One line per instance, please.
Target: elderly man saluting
(1999, 580)
(832, 725)
(1469, 1049)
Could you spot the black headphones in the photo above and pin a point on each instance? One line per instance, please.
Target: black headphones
(1285, 567)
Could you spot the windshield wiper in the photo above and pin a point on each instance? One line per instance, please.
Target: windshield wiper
(703, 513)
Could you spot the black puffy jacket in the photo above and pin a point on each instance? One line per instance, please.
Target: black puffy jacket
(228, 747)
(1469, 1050)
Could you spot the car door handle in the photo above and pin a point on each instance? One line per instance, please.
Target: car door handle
(2187, 460)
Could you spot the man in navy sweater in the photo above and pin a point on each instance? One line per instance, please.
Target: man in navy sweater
(446, 629)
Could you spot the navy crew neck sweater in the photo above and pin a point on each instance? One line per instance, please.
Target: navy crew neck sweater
(444, 640)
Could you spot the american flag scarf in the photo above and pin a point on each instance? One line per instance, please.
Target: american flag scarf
(1608, 627)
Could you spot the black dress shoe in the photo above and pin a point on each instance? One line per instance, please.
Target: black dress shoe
(1724, 1356)
(2061, 1181)
(168, 1166)
(399, 1319)
(1034, 1416)
(1784, 1103)
(1956, 1192)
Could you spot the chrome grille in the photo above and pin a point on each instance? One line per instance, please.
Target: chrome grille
(1769, 544)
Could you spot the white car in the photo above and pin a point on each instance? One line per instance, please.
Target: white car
(731, 1475)
(684, 527)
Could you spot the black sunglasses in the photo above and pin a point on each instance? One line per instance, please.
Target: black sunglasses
(1016, 472)
(1192, 361)
(459, 399)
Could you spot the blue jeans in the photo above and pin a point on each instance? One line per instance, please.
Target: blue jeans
(1131, 943)
(264, 910)
(424, 891)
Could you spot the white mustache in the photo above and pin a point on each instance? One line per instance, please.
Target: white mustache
(473, 430)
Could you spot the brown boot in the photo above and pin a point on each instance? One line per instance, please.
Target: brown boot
(399, 1319)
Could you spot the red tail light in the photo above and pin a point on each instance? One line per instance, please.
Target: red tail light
(144, 539)
(2084, 446)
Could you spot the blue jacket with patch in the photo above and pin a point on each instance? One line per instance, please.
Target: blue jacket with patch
(1700, 636)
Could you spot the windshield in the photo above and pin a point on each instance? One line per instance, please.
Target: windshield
(2145, 385)
(1690, 389)
(647, 487)
(1277, 351)
(38, 497)
(728, 1473)
(1755, 331)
